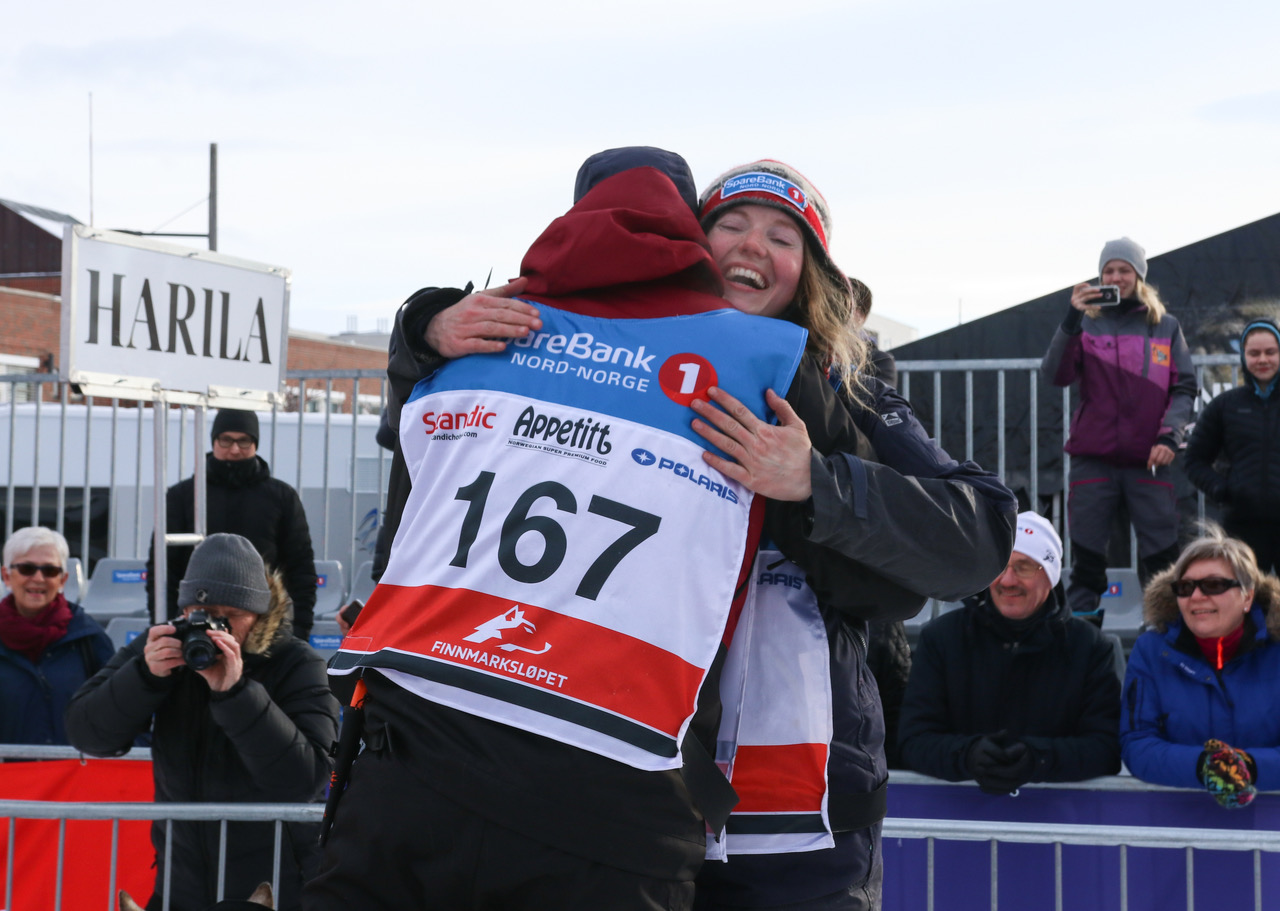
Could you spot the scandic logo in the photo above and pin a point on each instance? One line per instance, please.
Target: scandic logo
(478, 416)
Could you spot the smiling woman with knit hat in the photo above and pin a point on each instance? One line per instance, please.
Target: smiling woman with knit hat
(1200, 706)
(1243, 425)
(1136, 385)
(804, 744)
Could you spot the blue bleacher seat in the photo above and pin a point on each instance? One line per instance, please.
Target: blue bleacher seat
(331, 588)
(124, 630)
(362, 583)
(117, 588)
(325, 637)
(1122, 605)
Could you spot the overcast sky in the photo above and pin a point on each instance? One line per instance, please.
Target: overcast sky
(975, 155)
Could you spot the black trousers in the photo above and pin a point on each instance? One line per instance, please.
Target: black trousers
(1262, 536)
(399, 845)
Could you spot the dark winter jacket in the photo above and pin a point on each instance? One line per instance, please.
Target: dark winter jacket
(1137, 382)
(33, 697)
(1052, 686)
(264, 741)
(243, 499)
(1241, 427)
(966, 523)
(1174, 700)
(889, 658)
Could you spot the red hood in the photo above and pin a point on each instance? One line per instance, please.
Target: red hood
(630, 248)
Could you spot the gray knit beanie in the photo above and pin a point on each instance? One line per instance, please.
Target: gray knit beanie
(226, 570)
(1127, 250)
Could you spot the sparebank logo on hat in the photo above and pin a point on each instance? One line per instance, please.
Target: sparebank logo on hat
(760, 182)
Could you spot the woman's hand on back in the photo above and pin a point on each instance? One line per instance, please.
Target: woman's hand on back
(483, 322)
(769, 459)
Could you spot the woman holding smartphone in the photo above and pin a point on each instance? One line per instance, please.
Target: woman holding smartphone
(1136, 388)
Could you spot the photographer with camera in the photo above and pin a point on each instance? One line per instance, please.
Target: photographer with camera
(239, 711)
(1136, 385)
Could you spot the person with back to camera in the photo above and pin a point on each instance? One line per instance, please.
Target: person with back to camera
(244, 499)
(48, 645)
(240, 712)
(1137, 384)
(1012, 688)
(971, 512)
(1201, 707)
(1242, 426)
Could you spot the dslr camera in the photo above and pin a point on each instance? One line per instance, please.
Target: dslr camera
(1110, 296)
(198, 650)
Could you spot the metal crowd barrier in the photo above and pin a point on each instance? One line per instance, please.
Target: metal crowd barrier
(931, 831)
(320, 440)
(936, 398)
(115, 813)
(343, 406)
(1059, 834)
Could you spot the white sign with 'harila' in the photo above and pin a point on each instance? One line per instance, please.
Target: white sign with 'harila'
(140, 315)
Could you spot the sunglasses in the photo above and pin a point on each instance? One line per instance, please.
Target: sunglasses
(48, 570)
(242, 443)
(1213, 585)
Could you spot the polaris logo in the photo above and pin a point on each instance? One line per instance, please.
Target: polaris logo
(680, 470)
(784, 579)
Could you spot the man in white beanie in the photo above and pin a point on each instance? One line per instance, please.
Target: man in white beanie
(1013, 688)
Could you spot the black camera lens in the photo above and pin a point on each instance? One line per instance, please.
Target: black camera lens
(199, 651)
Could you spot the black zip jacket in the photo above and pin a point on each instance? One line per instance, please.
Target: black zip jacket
(266, 740)
(1053, 686)
(1243, 429)
(244, 499)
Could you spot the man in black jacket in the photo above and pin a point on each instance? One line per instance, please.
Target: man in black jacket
(1241, 427)
(244, 499)
(1012, 688)
(253, 726)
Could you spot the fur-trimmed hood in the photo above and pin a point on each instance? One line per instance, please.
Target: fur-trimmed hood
(1160, 605)
(275, 624)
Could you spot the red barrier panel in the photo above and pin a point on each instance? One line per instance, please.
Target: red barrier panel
(86, 872)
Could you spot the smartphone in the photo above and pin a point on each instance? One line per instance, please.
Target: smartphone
(1110, 296)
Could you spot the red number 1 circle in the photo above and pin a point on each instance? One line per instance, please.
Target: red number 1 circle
(685, 377)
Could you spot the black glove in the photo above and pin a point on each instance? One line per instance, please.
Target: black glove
(1000, 765)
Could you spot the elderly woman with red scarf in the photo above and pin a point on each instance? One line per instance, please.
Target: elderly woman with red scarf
(48, 646)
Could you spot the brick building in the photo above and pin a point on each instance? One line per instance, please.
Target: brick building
(31, 309)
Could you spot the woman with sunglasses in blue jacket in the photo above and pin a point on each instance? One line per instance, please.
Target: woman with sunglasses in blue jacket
(1201, 703)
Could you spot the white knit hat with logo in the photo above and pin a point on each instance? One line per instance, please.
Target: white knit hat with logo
(1037, 541)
